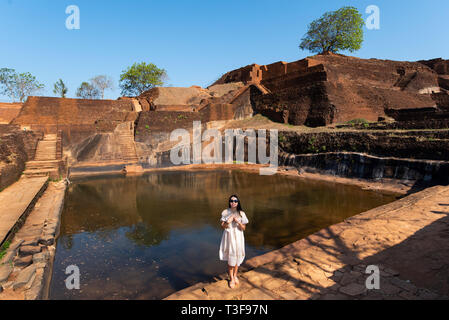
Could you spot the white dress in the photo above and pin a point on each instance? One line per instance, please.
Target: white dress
(232, 246)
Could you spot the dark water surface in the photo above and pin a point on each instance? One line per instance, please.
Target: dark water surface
(147, 237)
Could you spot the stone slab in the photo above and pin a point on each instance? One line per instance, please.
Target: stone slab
(14, 201)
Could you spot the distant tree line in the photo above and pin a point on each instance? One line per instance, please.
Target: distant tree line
(133, 81)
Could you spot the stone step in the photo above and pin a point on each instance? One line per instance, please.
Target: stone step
(46, 150)
(47, 146)
(44, 158)
(47, 143)
(41, 173)
(127, 147)
(40, 167)
(54, 162)
(42, 154)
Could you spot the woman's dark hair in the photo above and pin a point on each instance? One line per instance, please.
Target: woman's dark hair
(239, 206)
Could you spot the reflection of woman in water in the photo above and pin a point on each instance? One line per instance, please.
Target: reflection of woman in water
(232, 246)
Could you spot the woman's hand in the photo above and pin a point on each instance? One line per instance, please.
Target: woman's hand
(225, 224)
(241, 226)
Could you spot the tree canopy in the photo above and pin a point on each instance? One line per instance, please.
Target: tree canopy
(60, 89)
(141, 77)
(18, 86)
(335, 31)
(102, 83)
(88, 91)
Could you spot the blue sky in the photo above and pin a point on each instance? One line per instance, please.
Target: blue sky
(196, 41)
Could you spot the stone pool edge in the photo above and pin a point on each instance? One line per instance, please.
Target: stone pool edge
(330, 264)
(29, 259)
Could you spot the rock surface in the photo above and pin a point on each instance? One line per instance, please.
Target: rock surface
(325, 89)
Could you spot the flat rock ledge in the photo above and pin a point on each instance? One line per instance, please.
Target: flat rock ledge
(406, 240)
(25, 270)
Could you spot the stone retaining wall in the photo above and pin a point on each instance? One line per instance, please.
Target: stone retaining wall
(362, 166)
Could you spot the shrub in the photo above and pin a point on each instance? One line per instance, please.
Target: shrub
(4, 248)
(357, 121)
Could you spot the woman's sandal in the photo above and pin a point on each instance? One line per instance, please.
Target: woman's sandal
(236, 280)
(232, 284)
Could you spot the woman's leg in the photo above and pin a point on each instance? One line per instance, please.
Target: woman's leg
(231, 272)
(236, 268)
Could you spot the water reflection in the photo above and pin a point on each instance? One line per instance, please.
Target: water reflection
(146, 237)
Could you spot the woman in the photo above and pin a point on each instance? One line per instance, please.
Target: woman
(232, 246)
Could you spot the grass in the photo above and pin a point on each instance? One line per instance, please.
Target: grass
(281, 137)
(312, 148)
(4, 248)
(358, 121)
(55, 180)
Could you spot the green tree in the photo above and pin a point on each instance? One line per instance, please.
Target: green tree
(60, 89)
(141, 77)
(102, 83)
(87, 91)
(7, 82)
(18, 86)
(335, 31)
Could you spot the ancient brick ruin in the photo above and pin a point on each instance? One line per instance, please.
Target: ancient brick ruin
(315, 91)
(326, 89)
(9, 111)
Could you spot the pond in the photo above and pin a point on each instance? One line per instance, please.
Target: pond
(149, 236)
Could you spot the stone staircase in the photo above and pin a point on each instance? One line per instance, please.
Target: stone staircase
(46, 148)
(47, 159)
(127, 145)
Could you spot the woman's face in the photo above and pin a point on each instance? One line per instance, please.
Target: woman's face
(234, 202)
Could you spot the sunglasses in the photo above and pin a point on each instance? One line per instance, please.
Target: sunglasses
(235, 201)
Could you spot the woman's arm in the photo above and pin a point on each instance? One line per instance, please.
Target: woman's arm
(241, 226)
(225, 224)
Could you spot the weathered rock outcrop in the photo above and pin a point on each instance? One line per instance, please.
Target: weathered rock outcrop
(167, 109)
(430, 145)
(440, 65)
(363, 166)
(16, 148)
(325, 89)
(105, 147)
(186, 99)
